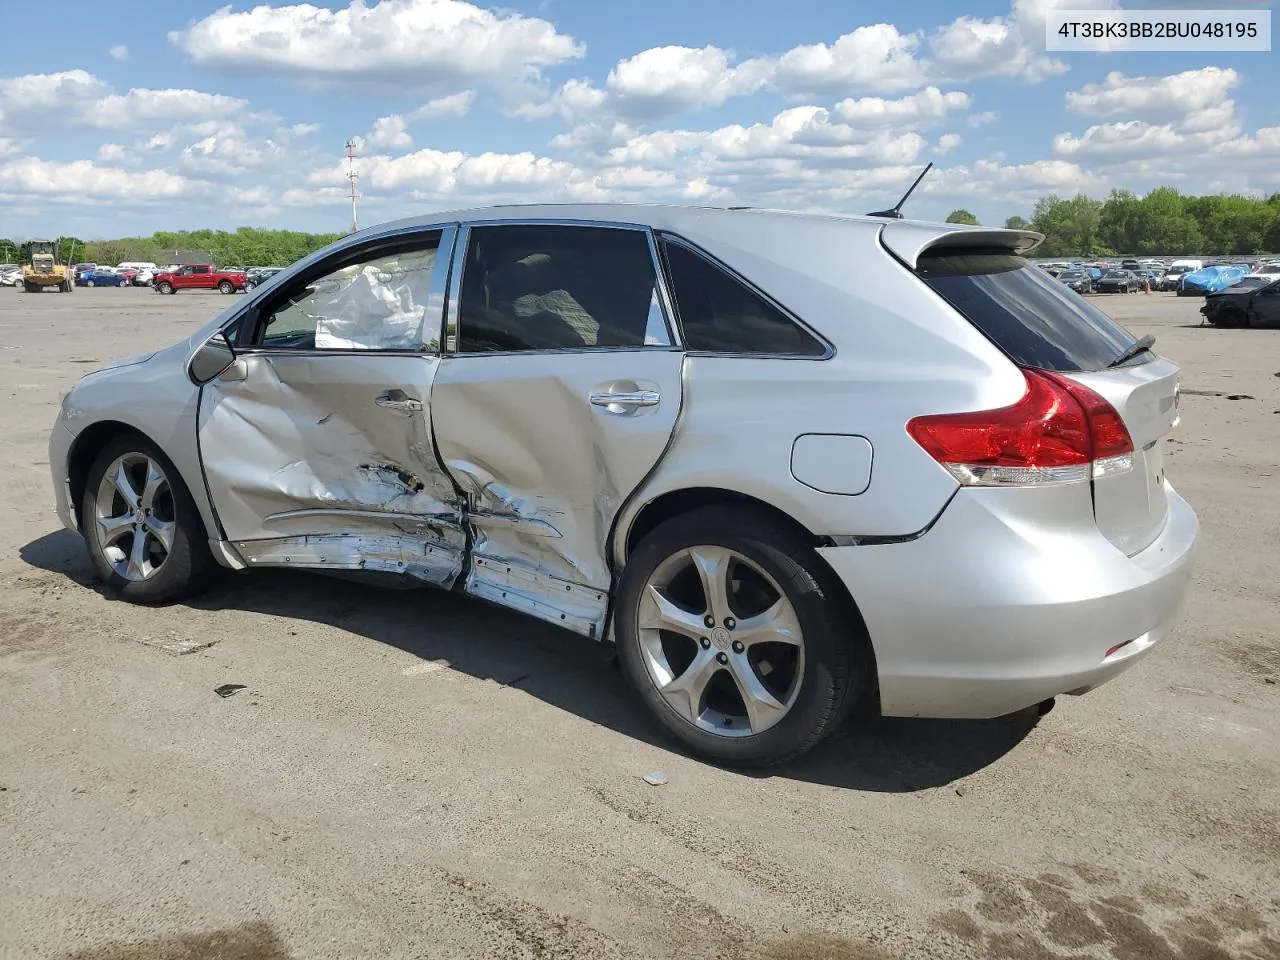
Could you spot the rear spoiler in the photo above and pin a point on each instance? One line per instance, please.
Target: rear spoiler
(908, 240)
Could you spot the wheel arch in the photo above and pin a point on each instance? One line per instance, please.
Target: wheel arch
(90, 442)
(675, 503)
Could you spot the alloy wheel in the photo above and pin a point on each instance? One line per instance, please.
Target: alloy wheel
(720, 641)
(135, 521)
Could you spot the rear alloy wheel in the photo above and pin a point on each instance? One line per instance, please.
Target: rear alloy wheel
(731, 631)
(226, 286)
(144, 534)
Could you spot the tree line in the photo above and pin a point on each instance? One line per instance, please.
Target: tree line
(1162, 222)
(244, 247)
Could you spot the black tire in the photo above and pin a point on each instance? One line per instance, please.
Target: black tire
(1231, 317)
(226, 287)
(836, 646)
(189, 564)
(165, 287)
(30, 287)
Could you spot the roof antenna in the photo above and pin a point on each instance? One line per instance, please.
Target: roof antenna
(895, 212)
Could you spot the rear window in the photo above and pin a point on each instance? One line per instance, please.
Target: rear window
(1036, 321)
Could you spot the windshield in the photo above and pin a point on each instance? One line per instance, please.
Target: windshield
(1036, 321)
(1070, 275)
(1114, 275)
(42, 246)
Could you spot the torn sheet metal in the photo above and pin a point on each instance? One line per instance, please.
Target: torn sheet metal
(430, 560)
(544, 470)
(300, 448)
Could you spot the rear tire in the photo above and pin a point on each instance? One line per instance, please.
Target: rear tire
(815, 679)
(152, 573)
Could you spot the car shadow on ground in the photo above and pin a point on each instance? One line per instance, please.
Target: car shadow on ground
(569, 672)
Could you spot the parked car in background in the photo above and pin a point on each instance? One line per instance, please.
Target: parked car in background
(1260, 269)
(487, 401)
(1209, 280)
(1133, 265)
(200, 276)
(1250, 301)
(1173, 276)
(144, 277)
(10, 275)
(255, 276)
(1078, 280)
(1117, 281)
(101, 277)
(80, 268)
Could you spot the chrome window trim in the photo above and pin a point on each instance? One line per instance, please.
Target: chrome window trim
(462, 244)
(437, 293)
(829, 348)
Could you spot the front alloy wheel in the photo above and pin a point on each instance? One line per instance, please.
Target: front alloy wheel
(134, 517)
(142, 528)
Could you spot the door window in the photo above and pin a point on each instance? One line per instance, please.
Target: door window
(559, 288)
(720, 314)
(376, 303)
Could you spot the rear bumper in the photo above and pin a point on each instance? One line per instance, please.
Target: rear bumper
(987, 613)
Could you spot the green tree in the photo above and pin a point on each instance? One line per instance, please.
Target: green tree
(962, 216)
(1070, 226)
(1017, 223)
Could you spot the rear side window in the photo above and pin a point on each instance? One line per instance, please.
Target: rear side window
(719, 314)
(1034, 319)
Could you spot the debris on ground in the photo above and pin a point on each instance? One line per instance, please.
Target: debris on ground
(177, 645)
(228, 689)
(655, 778)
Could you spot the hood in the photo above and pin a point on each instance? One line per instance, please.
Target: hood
(122, 362)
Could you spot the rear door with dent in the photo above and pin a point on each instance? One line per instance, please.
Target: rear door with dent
(317, 442)
(557, 395)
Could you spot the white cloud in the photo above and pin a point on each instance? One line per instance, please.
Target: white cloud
(111, 152)
(304, 129)
(389, 133)
(927, 106)
(1144, 97)
(120, 52)
(983, 118)
(454, 105)
(947, 142)
(405, 43)
(11, 145)
(662, 81)
(84, 180)
(875, 57)
(49, 100)
(1130, 138)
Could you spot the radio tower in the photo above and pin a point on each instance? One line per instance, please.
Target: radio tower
(354, 178)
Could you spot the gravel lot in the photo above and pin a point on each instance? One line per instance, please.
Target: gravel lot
(413, 774)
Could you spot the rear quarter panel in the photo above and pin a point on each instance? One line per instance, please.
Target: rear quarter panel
(900, 351)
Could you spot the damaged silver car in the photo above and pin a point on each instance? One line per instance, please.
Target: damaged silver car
(785, 463)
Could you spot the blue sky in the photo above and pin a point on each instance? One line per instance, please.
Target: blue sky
(162, 116)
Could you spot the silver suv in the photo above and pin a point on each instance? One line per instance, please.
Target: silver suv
(785, 463)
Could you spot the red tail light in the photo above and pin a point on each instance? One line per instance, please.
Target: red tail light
(1059, 431)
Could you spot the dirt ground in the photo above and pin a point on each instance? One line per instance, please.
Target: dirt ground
(413, 774)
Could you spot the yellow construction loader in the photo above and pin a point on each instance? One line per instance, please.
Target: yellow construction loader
(44, 270)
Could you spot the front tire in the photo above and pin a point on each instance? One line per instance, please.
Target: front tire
(141, 526)
(165, 287)
(736, 637)
(226, 287)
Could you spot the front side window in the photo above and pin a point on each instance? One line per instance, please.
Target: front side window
(378, 303)
(534, 287)
(719, 314)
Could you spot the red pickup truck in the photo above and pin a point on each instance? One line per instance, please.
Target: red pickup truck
(199, 276)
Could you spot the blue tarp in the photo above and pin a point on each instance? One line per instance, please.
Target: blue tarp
(1212, 279)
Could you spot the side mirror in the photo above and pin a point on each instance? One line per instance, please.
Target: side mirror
(213, 357)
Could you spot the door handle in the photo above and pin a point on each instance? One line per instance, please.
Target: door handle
(399, 401)
(627, 398)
